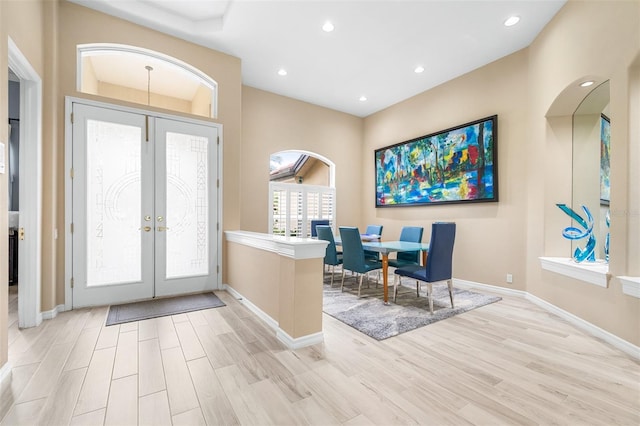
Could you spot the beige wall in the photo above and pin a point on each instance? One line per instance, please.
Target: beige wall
(585, 39)
(141, 97)
(286, 289)
(490, 237)
(243, 279)
(201, 102)
(534, 157)
(273, 123)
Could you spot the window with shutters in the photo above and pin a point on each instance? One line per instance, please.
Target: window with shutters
(301, 189)
(294, 206)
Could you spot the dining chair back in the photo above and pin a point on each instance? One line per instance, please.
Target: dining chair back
(373, 230)
(439, 265)
(317, 222)
(331, 256)
(440, 258)
(353, 257)
(412, 234)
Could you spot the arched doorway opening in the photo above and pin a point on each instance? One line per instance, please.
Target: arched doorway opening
(301, 189)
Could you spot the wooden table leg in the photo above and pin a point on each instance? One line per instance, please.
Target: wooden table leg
(385, 278)
(424, 258)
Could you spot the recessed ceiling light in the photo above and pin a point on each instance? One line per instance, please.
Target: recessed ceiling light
(586, 83)
(419, 69)
(363, 98)
(282, 72)
(328, 27)
(511, 21)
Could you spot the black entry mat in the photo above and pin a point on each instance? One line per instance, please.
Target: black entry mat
(137, 311)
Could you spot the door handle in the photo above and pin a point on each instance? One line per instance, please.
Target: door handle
(162, 228)
(146, 229)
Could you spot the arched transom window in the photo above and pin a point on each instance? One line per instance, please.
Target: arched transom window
(143, 76)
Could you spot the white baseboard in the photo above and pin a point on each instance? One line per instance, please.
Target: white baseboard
(500, 290)
(273, 324)
(283, 336)
(300, 342)
(5, 371)
(47, 315)
(612, 339)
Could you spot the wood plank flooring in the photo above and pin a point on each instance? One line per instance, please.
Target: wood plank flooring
(503, 364)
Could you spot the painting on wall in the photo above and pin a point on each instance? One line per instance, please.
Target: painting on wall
(605, 151)
(457, 165)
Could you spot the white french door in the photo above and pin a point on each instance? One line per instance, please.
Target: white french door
(144, 206)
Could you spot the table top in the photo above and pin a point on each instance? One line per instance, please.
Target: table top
(386, 247)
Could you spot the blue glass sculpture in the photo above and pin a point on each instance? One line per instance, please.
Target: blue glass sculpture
(573, 233)
(606, 240)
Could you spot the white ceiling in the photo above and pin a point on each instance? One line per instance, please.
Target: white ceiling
(372, 52)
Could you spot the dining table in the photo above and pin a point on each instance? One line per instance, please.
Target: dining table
(387, 247)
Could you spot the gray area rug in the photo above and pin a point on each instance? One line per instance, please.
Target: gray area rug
(370, 316)
(138, 311)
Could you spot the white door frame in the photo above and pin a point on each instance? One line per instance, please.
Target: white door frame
(30, 249)
(68, 216)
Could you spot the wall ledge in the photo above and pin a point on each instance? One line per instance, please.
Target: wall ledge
(630, 286)
(593, 273)
(292, 247)
(283, 336)
(615, 341)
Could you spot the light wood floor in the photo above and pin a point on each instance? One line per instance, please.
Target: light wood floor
(507, 363)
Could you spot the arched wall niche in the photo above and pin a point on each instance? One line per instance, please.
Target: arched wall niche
(567, 101)
(144, 76)
(575, 119)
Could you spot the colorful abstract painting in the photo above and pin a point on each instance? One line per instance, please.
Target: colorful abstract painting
(605, 152)
(457, 165)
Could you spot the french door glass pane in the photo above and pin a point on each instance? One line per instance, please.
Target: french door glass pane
(113, 203)
(187, 205)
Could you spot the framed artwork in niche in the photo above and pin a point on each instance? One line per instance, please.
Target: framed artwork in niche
(605, 151)
(456, 165)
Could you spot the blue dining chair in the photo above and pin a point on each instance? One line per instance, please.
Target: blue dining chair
(439, 262)
(331, 257)
(411, 234)
(373, 230)
(353, 255)
(317, 222)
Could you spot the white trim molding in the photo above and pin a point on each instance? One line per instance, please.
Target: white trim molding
(300, 342)
(283, 336)
(500, 290)
(292, 247)
(596, 273)
(612, 339)
(630, 286)
(30, 251)
(47, 315)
